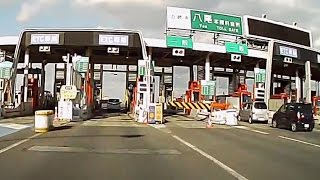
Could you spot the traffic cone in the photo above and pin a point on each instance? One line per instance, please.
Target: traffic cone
(55, 119)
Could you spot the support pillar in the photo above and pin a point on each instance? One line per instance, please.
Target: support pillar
(191, 73)
(207, 68)
(269, 72)
(307, 88)
(43, 81)
(101, 80)
(298, 86)
(26, 73)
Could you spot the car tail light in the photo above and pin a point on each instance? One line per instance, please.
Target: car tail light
(300, 116)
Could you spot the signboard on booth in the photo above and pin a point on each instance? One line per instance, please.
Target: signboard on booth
(179, 42)
(45, 39)
(68, 92)
(142, 67)
(152, 112)
(236, 48)
(65, 110)
(259, 75)
(159, 113)
(5, 69)
(82, 64)
(266, 29)
(208, 88)
(113, 40)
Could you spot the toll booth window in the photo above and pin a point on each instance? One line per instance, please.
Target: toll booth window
(246, 98)
(196, 96)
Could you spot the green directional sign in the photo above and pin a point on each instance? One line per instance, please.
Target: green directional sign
(142, 70)
(235, 48)
(5, 69)
(5, 73)
(259, 75)
(215, 22)
(82, 65)
(179, 42)
(208, 88)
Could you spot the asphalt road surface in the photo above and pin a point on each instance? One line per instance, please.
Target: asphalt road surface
(114, 147)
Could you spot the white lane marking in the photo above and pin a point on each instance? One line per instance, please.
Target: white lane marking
(299, 141)
(157, 126)
(252, 130)
(225, 167)
(105, 151)
(241, 127)
(257, 131)
(13, 126)
(18, 143)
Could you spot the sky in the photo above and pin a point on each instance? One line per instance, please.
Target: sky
(149, 16)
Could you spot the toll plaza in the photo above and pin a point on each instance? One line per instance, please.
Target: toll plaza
(279, 60)
(239, 46)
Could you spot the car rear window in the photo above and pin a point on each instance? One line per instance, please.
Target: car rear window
(260, 105)
(305, 108)
(114, 100)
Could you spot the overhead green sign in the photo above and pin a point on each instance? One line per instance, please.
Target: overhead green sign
(179, 42)
(215, 22)
(236, 48)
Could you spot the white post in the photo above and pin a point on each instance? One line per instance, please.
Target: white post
(298, 86)
(26, 72)
(207, 68)
(269, 72)
(68, 78)
(308, 82)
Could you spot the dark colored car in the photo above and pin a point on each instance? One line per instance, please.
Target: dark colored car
(294, 116)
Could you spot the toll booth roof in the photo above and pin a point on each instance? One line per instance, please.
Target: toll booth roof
(164, 58)
(81, 41)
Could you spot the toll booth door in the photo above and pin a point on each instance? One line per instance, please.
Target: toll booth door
(196, 96)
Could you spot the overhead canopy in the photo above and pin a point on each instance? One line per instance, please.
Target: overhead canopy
(81, 41)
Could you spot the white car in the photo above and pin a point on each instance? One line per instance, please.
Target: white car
(256, 111)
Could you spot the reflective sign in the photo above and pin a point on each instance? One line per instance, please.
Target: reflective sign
(68, 92)
(115, 40)
(287, 51)
(45, 39)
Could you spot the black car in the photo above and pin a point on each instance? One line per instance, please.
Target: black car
(294, 116)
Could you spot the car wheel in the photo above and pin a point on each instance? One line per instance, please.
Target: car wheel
(310, 129)
(239, 118)
(293, 127)
(274, 124)
(250, 120)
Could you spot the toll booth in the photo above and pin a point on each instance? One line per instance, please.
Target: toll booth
(193, 94)
(33, 92)
(243, 93)
(316, 105)
(59, 80)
